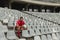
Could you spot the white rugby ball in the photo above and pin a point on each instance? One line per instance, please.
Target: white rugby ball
(25, 26)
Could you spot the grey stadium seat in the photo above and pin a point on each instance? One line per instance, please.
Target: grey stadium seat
(38, 32)
(49, 37)
(11, 35)
(5, 20)
(3, 28)
(22, 39)
(43, 37)
(25, 33)
(32, 32)
(37, 38)
(2, 36)
(54, 37)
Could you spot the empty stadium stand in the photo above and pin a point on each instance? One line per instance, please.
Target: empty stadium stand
(52, 17)
(38, 29)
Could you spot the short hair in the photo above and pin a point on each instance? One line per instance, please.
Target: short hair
(21, 17)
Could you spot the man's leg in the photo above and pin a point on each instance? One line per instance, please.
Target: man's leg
(18, 32)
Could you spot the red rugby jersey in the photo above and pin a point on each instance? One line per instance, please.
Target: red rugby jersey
(20, 22)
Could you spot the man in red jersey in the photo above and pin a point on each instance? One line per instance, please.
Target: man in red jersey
(20, 26)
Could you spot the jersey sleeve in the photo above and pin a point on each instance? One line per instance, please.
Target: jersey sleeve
(23, 22)
(17, 23)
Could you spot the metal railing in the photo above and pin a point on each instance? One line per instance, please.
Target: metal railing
(52, 1)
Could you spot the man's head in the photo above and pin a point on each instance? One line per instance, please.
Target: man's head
(21, 18)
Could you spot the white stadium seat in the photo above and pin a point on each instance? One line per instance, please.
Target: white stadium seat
(37, 32)
(26, 33)
(54, 37)
(49, 37)
(32, 33)
(37, 38)
(11, 35)
(43, 37)
(2, 36)
(22, 39)
(5, 20)
(3, 28)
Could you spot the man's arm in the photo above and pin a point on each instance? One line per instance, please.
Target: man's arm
(17, 25)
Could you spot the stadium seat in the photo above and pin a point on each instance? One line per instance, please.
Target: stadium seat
(43, 37)
(49, 37)
(11, 35)
(5, 21)
(11, 22)
(30, 9)
(3, 28)
(50, 30)
(29, 27)
(58, 35)
(35, 10)
(47, 10)
(38, 26)
(37, 38)
(26, 33)
(37, 32)
(32, 32)
(15, 19)
(43, 10)
(2, 36)
(43, 31)
(54, 37)
(22, 39)
(0, 23)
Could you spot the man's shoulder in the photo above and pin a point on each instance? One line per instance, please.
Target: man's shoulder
(18, 20)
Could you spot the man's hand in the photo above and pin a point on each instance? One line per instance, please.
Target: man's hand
(18, 28)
